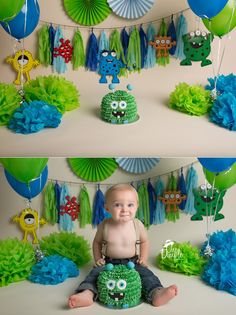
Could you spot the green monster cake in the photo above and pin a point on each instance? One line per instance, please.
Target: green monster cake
(119, 286)
(119, 107)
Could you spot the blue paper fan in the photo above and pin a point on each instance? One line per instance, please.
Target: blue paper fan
(137, 165)
(130, 9)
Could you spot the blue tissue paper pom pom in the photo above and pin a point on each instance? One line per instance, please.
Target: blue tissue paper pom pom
(220, 271)
(224, 83)
(34, 116)
(53, 269)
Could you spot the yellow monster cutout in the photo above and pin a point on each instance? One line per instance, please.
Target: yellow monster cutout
(22, 63)
(29, 223)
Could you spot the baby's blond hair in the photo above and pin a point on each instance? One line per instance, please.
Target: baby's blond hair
(120, 187)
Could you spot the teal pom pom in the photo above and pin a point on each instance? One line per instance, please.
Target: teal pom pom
(112, 86)
(130, 265)
(130, 87)
(109, 267)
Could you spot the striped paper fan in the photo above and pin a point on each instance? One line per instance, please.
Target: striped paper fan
(137, 165)
(93, 169)
(130, 9)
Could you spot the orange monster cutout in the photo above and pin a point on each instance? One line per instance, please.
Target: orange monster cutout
(162, 44)
(172, 199)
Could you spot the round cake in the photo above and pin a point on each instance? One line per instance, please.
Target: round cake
(119, 107)
(119, 286)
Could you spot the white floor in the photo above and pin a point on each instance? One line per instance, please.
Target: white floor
(195, 298)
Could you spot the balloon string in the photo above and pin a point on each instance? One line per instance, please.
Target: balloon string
(207, 215)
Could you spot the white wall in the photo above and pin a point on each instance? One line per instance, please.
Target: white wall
(182, 230)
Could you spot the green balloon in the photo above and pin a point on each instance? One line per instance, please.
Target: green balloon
(9, 9)
(222, 180)
(24, 169)
(224, 21)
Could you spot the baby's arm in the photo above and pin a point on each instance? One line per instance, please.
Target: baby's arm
(144, 245)
(97, 246)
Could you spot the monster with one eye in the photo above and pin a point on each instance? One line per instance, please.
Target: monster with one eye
(208, 201)
(197, 47)
(119, 107)
(109, 65)
(119, 286)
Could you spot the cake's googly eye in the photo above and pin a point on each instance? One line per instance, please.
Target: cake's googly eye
(121, 284)
(111, 284)
(114, 105)
(123, 104)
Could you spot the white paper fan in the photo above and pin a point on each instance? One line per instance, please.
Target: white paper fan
(130, 9)
(137, 165)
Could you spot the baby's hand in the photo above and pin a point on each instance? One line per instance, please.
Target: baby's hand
(100, 262)
(140, 261)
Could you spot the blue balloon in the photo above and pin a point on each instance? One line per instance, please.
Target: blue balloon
(25, 22)
(217, 165)
(207, 8)
(28, 191)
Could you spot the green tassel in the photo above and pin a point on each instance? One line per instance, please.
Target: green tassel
(44, 52)
(143, 212)
(50, 205)
(163, 61)
(78, 57)
(134, 51)
(85, 214)
(115, 44)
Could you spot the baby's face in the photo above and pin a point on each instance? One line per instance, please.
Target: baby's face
(122, 205)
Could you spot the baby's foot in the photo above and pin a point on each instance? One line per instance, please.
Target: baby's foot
(164, 295)
(81, 299)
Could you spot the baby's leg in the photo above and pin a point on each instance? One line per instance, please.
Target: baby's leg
(81, 299)
(163, 295)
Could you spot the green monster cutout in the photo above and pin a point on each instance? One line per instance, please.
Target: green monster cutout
(119, 286)
(119, 107)
(208, 201)
(197, 47)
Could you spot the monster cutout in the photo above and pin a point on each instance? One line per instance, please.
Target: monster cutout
(119, 107)
(208, 201)
(162, 44)
(71, 208)
(22, 63)
(119, 286)
(65, 50)
(109, 65)
(29, 222)
(171, 200)
(197, 47)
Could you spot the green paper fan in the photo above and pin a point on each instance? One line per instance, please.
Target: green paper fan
(93, 169)
(87, 12)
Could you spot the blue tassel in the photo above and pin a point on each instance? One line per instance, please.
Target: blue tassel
(191, 183)
(91, 62)
(125, 41)
(182, 188)
(66, 223)
(152, 201)
(59, 64)
(150, 61)
(103, 42)
(172, 33)
(181, 30)
(99, 213)
(57, 189)
(160, 212)
(52, 33)
(143, 45)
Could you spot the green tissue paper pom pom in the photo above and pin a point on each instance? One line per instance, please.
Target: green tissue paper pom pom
(192, 100)
(9, 102)
(53, 90)
(16, 261)
(69, 245)
(181, 258)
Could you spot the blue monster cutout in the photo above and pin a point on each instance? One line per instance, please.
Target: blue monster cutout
(109, 65)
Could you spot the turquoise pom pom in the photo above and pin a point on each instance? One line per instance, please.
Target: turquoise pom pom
(130, 265)
(130, 87)
(109, 267)
(112, 86)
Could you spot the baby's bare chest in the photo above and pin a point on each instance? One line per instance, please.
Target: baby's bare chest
(125, 236)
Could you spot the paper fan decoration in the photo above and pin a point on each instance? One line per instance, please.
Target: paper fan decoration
(93, 169)
(87, 12)
(130, 9)
(137, 165)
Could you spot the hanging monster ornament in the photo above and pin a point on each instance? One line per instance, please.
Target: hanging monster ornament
(197, 47)
(208, 201)
(162, 44)
(109, 65)
(71, 208)
(29, 222)
(65, 50)
(22, 62)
